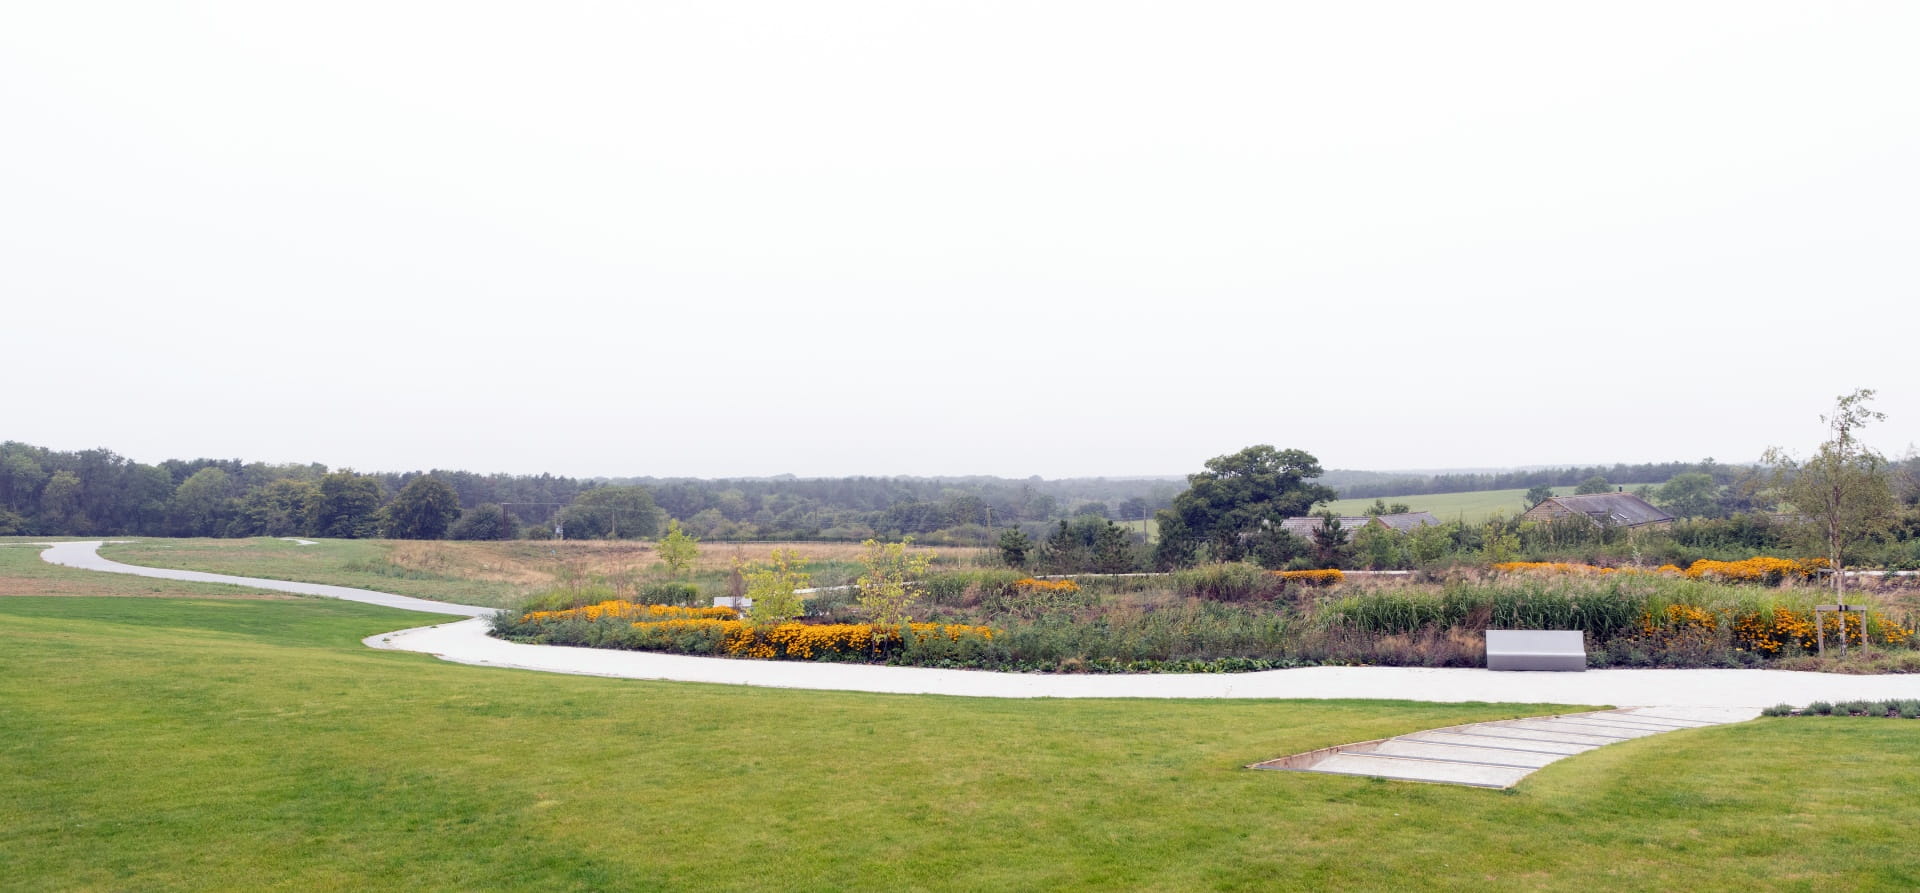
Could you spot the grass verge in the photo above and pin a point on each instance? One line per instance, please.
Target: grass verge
(194, 743)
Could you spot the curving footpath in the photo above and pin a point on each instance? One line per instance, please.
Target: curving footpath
(467, 642)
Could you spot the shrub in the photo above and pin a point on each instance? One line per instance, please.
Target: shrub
(668, 593)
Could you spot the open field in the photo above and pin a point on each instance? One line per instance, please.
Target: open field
(479, 573)
(168, 743)
(1471, 507)
(23, 573)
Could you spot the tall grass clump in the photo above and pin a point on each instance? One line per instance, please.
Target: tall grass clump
(1602, 607)
(1230, 582)
(967, 587)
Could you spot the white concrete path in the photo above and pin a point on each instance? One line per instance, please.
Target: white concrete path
(467, 642)
(1499, 754)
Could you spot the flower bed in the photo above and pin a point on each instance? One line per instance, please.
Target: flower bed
(626, 610)
(721, 632)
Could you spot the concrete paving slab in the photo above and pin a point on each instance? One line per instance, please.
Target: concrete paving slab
(1499, 730)
(1461, 753)
(1481, 754)
(1554, 725)
(1432, 771)
(1469, 739)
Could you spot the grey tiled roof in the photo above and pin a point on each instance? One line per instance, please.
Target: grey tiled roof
(1406, 521)
(1613, 508)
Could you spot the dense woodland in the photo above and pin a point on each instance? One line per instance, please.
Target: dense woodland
(100, 493)
(1051, 525)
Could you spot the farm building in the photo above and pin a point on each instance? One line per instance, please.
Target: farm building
(1401, 523)
(1406, 521)
(1620, 509)
(1304, 528)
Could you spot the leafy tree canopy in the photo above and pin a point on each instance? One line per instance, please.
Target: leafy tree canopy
(484, 522)
(1691, 495)
(423, 510)
(348, 507)
(1237, 493)
(612, 512)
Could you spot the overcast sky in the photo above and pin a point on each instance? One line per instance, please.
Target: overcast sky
(1064, 239)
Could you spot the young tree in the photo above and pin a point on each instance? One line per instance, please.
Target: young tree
(423, 510)
(1379, 548)
(678, 550)
(1595, 484)
(1014, 546)
(774, 587)
(1429, 542)
(886, 587)
(1844, 487)
(1498, 542)
(1537, 494)
(1330, 541)
(1380, 507)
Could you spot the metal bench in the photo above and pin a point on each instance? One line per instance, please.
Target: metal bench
(1536, 649)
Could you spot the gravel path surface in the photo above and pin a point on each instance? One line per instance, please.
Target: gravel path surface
(467, 642)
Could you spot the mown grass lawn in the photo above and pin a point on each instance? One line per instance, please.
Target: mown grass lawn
(192, 743)
(362, 564)
(495, 574)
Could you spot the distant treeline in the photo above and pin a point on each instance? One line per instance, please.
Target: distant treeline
(100, 493)
(1368, 484)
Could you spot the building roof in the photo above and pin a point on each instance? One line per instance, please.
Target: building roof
(1406, 521)
(1305, 527)
(1620, 508)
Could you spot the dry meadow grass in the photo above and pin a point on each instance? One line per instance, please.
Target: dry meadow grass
(532, 564)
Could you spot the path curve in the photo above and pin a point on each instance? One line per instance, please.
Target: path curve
(467, 642)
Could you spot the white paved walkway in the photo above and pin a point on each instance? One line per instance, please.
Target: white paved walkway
(467, 642)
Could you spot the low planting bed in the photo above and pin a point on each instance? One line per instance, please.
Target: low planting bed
(1235, 618)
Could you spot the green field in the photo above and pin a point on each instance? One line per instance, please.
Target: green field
(201, 741)
(1470, 507)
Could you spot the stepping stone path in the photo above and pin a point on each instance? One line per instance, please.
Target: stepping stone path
(1499, 754)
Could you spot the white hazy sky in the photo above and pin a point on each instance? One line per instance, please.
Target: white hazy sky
(1100, 238)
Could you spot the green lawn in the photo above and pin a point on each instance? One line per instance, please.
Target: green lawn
(197, 743)
(358, 563)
